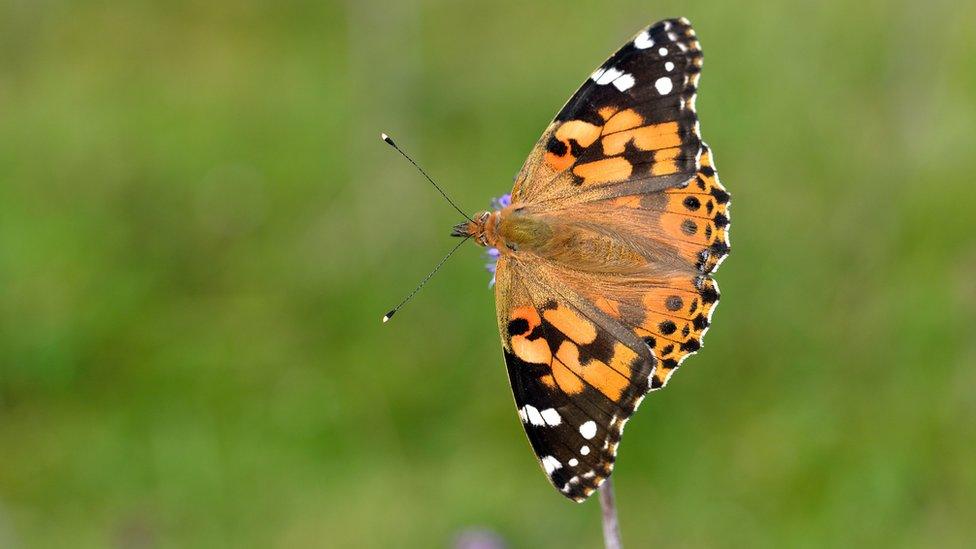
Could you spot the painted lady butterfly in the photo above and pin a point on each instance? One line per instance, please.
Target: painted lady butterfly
(602, 255)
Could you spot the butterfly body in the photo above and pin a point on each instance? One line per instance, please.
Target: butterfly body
(580, 244)
(605, 253)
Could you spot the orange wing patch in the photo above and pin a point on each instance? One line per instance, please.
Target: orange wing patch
(647, 138)
(559, 156)
(665, 161)
(604, 171)
(536, 350)
(583, 132)
(570, 373)
(620, 121)
(571, 324)
(607, 112)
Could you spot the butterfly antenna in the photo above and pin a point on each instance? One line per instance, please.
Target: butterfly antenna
(393, 311)
(405, 155)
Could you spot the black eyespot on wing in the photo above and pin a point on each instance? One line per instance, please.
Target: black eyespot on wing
(691, 345)
(720, 248)
(709, 295)
(667, 327)
(721, 196)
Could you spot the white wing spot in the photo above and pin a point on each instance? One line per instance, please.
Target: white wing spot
(584, 450)
(624, 83)
(663, 85)
(643, 41)
(531, 413)
(608, 76)
(669, 66)
(588, 429)
(550, 464)
(573, 462)
(551, 417)
(621, 80)
(663, 52)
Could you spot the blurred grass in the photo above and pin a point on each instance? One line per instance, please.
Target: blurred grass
(199, 230)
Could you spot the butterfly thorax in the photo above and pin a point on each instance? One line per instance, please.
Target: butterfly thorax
(508, 230)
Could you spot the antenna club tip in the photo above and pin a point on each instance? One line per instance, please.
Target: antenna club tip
(388, 316)
(386, 138)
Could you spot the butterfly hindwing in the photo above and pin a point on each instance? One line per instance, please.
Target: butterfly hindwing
(634, 118)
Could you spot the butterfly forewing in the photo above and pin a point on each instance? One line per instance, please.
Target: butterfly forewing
(576, 375)
(634, 118)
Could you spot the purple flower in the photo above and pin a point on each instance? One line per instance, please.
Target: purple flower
(492, 265)
(502, 201)
(493, 254)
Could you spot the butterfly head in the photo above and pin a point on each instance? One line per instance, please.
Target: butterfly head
(483, 225)
(481, 228)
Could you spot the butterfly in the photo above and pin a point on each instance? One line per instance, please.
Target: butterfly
(603, 254)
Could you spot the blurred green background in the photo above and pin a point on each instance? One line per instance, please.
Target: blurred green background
(200, 229)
